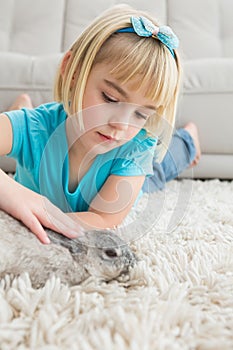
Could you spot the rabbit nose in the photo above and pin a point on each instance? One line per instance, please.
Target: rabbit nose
(132, 260)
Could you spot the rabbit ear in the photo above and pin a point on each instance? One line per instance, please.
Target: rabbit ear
(102, 239)
(107, 241)
(75, 246)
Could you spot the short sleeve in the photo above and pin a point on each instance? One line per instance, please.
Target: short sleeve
(31, 129)
(136, 157)
(27, 132)
(18, 122)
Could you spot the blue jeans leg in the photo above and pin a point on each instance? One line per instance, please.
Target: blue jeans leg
(179, 156)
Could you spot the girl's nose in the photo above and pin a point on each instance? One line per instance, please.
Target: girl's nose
(118, 124)
(121, 117)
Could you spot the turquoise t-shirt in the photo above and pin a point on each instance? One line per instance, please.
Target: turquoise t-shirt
(41, 151)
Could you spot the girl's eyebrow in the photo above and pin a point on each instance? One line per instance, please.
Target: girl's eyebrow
(123, 92)
(116, 87)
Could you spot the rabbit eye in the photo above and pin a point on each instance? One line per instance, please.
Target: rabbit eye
(111, 253)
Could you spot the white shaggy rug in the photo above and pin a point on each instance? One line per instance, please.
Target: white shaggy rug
(180, 295)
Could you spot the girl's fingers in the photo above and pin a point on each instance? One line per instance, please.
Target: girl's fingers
(64, 228)
(60, 222)
(35, 226)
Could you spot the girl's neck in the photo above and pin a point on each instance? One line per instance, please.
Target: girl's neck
(79, 164)
(80, 159)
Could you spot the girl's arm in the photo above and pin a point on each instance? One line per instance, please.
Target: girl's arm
(113, 202)
(34, 210)
(5, 135)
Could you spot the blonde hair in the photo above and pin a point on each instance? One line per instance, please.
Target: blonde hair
(144, 61)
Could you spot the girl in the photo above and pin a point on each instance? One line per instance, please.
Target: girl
(82, 160)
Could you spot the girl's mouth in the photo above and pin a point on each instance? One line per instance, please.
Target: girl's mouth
(106, 137)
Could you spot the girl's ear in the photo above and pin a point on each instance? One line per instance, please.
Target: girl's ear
(65, 62)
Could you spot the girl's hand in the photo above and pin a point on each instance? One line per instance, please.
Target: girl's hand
(35, 211)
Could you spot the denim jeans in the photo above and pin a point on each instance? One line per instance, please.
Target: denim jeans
(179, 156)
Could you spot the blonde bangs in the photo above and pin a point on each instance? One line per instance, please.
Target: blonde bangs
(144, 63)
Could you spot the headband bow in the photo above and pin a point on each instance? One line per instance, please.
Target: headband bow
(144, 27)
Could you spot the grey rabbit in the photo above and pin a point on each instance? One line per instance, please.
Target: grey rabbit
(98, 253)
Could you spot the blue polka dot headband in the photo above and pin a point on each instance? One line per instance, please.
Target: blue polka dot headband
(144, 27)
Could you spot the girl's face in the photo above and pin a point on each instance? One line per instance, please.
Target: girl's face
(112, 113)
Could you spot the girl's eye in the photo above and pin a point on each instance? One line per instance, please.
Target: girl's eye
(141, 115)
(108, 99)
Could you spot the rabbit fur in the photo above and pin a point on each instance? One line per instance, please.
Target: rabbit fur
(99, 253)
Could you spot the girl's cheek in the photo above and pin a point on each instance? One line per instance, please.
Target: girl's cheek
(95, 117)
(132, 131)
